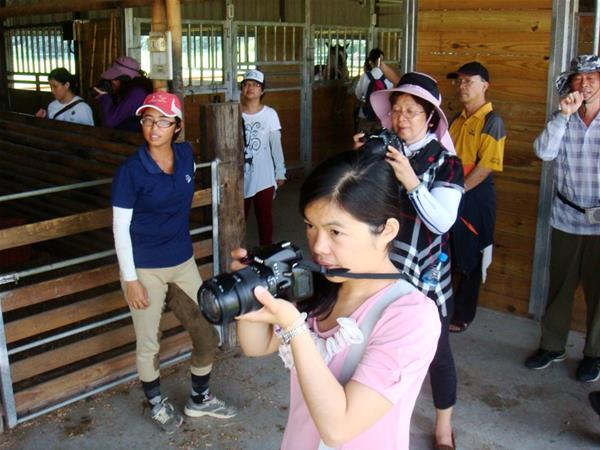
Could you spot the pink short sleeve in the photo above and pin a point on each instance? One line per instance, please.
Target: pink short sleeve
(401, 347)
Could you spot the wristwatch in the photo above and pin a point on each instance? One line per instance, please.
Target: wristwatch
(298, 327)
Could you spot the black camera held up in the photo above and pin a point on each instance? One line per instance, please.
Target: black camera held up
(274, 267)
(377, 142)
(103, 85)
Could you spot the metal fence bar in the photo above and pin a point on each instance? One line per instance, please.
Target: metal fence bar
(216, 200)
(66, 187)
(8, 395)
(189, 53)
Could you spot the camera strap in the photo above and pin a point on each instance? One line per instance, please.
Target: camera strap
(344, 273)
(68, 107)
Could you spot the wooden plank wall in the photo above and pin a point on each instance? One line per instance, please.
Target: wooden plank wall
(512, 39)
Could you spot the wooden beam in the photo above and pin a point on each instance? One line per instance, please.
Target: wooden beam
(159, 24)
(77, 223)
(174, 25)
(35, 324)
(67, 129)
(92, 376)
(68, 6)
(33, 294)
(80, 350)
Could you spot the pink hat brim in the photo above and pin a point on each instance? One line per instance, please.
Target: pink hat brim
(138, 112)
(380, 101)
(114, 72)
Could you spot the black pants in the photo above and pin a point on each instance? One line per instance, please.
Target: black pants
(466, 295)
(442, 372)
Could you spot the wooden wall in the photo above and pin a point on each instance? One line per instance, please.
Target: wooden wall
(512, 39)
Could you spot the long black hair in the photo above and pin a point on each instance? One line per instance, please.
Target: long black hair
(363, 185)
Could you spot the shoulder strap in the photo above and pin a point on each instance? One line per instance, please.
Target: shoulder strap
(397, 290)
(370, 76)
(68, 107)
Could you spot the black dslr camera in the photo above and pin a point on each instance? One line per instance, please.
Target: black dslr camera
(103, 85)
(274, 267)
(376, 142)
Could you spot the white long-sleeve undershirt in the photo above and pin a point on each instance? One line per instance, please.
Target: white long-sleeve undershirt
(123, 247)
(438, 208)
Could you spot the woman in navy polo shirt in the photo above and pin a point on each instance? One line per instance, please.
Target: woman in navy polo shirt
(151, 197)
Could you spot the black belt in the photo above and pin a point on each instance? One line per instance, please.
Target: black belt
(566, 201)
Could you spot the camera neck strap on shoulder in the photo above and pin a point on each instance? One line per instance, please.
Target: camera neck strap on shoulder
(344, 273)
(397, 290)
(68, 107)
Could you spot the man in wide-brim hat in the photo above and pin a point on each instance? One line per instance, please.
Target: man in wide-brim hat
(572, 138)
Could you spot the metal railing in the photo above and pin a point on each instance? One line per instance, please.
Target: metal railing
(6, 383)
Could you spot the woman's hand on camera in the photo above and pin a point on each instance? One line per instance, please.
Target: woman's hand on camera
(41, 113)
(402, 168)
(274, 310)
(359, 141)
(99, 92)
(137, 296)
(238, 257)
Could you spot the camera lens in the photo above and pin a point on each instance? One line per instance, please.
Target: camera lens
(209, 304)
(228, 295)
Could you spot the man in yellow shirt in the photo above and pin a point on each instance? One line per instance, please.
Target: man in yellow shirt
(478, 135)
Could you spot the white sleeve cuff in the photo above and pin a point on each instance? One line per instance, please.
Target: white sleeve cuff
(438, 208)
(123, 247)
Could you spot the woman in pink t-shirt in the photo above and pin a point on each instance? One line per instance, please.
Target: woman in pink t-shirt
(351, 208)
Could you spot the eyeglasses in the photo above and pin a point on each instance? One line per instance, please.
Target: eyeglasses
(408, 114)
(160, 123)
(457, 82)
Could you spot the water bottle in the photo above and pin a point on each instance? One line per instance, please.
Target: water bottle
(431, 276)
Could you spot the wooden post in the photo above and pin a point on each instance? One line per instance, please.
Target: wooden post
(3, 77)
(221, 129)
(174, 26)
(159, 24)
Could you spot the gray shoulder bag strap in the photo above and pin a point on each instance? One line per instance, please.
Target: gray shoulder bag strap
(397, 290)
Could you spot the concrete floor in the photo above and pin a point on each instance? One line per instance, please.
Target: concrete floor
(502, 405)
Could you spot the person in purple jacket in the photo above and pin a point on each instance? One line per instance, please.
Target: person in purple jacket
(129, 86)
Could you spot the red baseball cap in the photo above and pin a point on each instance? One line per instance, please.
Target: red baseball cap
(164, 102)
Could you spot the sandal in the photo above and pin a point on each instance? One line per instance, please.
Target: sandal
(458, 327)
(437, 446)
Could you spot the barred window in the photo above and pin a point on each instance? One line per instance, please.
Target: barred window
(32, 52)
(202, 52)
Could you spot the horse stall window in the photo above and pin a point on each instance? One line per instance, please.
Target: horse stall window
(275, 49)
(389, 40)
(32, 52)
(201, 48)
(340, 52)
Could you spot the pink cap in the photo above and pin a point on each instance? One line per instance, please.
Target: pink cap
(122, 66)
(164, 102)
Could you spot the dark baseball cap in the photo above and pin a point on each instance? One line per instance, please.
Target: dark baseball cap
(471, 68)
